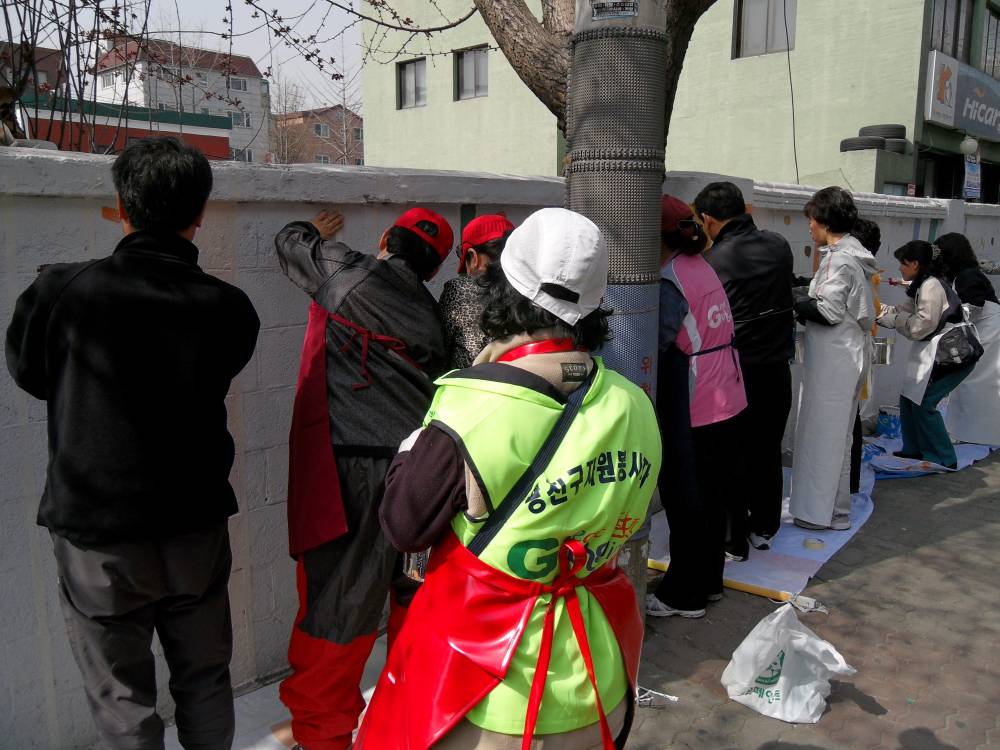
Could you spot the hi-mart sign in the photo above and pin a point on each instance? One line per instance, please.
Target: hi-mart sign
(963, 98)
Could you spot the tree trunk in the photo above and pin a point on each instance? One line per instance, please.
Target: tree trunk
(539, 50)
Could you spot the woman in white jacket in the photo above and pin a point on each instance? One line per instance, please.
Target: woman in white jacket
(931, 310)
(838, 312)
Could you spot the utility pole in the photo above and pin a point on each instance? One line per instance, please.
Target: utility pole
(615, 142)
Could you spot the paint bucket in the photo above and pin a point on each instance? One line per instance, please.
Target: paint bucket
(882, 350)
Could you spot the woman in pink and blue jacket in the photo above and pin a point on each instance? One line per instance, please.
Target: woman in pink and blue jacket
(699, 393)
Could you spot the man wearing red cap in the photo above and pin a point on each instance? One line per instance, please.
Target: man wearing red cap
(461, 302)
(372, 349)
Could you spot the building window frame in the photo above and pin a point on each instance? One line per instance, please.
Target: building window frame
(770, 36)
(241, 154)
(108, 80)
(476, 60)
(321, 130)
(241, 119)
(415, 72)
(236, 84)
(956, 16)
(359, 134)
(322, 159)
(989, 61)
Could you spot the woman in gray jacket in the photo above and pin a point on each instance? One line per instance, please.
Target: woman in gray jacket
(838, 311)
(931, 310)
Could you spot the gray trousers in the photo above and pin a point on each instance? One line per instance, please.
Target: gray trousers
(113, 598)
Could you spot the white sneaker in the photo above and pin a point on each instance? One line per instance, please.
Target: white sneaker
(840, 523)
(760, 541)
(656, 608)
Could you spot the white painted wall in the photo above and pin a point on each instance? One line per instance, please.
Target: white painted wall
(50, 211)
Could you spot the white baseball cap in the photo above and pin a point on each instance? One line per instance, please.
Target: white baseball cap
(558, 259)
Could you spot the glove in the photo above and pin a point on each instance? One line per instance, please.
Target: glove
(806, 310)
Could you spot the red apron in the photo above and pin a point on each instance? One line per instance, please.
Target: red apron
(462, 631)
(315, 505)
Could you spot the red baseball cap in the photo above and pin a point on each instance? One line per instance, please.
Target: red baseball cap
(481, 230)
(435, 231)
(672, 212)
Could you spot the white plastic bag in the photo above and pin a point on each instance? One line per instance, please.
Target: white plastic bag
(782, 669)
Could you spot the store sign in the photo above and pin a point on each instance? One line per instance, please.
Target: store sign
(962, 98)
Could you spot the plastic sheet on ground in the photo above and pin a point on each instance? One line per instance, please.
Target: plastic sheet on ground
(790, 563)
(888, 466)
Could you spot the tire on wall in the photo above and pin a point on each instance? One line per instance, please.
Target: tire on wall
(862, 143)
(884, 131)
(897, 145)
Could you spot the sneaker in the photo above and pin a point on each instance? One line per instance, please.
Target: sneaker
(840, 523)
(760, 541)
(811, 526)
(656, 608)
(732, 557)
(715, 597)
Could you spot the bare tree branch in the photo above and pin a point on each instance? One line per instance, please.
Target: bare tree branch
(539, 56)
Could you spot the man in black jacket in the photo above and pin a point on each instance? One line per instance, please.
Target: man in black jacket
(755, 268)
(372, 350)
(134, 354)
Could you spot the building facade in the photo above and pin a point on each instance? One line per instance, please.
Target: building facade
(328, 135)
(769, 90)
(164, 76)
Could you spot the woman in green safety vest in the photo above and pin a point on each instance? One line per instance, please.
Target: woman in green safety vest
(532, 470)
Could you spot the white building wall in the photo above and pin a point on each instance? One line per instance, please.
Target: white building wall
(50, 212)
(194, 98)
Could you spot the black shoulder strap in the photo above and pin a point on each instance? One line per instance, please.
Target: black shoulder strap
(523, 485)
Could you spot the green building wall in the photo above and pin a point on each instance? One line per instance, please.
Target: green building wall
(507, 132)
(855, 63)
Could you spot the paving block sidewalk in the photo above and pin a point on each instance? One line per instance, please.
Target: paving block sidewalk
(914, 603)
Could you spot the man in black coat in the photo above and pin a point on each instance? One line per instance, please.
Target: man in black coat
(134, 354)
(755, 268)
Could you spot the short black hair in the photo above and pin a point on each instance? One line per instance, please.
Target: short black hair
(956, 253)
(867, 232)
(163, 184)
(508, 313)
(720, 200)
(413, 249)
(923, 253)
(834, 208)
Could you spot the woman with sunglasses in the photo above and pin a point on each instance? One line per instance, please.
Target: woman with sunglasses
(461, 304)
(699, 393)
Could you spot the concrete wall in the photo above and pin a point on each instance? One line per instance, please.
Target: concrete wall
(507, 132)
(50, 211)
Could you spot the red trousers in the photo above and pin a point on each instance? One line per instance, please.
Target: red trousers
(323, 693)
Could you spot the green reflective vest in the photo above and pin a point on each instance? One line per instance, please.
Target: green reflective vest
(596, 489)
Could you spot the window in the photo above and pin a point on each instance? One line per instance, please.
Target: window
(359, 134)
(241, 119)
(359, 162)
(951, 28)
(241, 154)
(763, 26)
(265, 89)
(204, 110)
(164, 107)
(991, 44)
(321, 129)
(411, 79)
(471, 78)
(41, 78)
(322, 159)
(107, 80)
(236, 84)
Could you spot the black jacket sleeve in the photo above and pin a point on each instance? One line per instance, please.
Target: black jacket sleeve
(307, 259)
(424, 490)
(26, 336)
